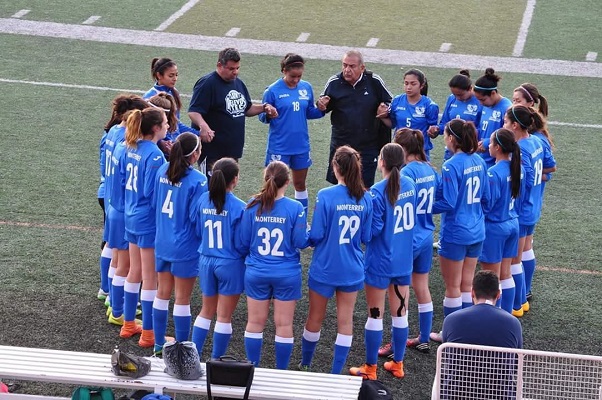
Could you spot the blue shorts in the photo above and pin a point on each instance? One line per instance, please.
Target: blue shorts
(221, 276)
(146, 241)
(383, 282)
(115, 228)
(458, 252)
(295, 161)
(181, 269)
(326, 290)
(423, 257)
(501, 241)
(283, 288)
(526, 230)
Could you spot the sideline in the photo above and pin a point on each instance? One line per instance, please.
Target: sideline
(521, 39)
(176, 15)
(315, 51)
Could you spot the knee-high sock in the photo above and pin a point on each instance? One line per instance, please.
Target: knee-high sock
(146, 299)
(130, 299)
(199, 332)
(400, 335)
(451, 304)
(284, 349)
(528, 259)
(221, 338)
(466, 299)
(425, 321)
(105, 262)
(301, 197)
(308, 346)
(519, 283)
(181, 321)
(160, 316)
(341, 351)
(253, 344)
(373, 337)
(508, 289)
(111, 275)
(117, 294)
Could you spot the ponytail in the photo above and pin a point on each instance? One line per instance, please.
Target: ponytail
(507, 142)
(412, 141)
(349, 165)
(223, 173)
(393, 159)
(132, 128)
(182, 150)
(276, 175)
(464, 134)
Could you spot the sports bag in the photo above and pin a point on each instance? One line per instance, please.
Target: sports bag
(92, 393)
(374, 390)
(230, 371)
(182, 360)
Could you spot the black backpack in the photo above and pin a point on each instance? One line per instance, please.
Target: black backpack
(374, 390)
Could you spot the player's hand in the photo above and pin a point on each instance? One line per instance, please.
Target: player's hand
(165, 146)
(323, 102)
(271, 111)
(481, 148)
(382, 111)
(433, 131)
(207, 135)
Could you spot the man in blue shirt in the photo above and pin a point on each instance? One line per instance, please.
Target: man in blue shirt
(220, 101)
(355, 97)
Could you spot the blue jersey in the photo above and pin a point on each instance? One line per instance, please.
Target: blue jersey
(219, 233)
(427, 180)
(421, 116)
(463, 187)
(533, 162)
(181, 128)
(548, 158)
(103, 162)
(273, 239)
(468, 110)
(115, 181)
(114, 136)
(500, 206)
(340, 225)
(289, 134)
(492, 119)
(141, 167)
(390, 252)
(176, 239)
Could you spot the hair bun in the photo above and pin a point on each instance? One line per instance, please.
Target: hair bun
(465, 72)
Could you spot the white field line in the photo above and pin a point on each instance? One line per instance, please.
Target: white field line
(302, 37)
(445, 47)
(309, 50)
(109, 89)
(91, 20)
(20, 13)
(172, 18)
(519, 46)
(372, 42)
(591, 56)
(232, 32)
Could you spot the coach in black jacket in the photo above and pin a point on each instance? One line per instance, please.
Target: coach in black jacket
(356, 97)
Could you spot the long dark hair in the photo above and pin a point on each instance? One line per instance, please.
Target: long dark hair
(179, 159)
(158, 66)
(424, 85)
(464, 133)
(531, 93)
(275, 176)
(392, 156)
(412, 141)
(121, 105)
(349, 164)
(505, 139)
(224, 171)
(487, 83)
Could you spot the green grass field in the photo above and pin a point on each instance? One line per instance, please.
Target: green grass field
(50, 222)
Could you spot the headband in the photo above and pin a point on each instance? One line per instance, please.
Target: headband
(156, 106)
(195, 147)
(527, 92)
(453, 133)
(518, 120)
(485, 88)
(497, 139)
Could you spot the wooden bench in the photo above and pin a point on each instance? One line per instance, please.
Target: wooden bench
(91, 369)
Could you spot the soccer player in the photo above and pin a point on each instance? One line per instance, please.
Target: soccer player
(501, 217)
(414, 109)
(342, 221)
(178, 187)
(519, 119)
(427, 180)
(463, 188)
(113, 199)
(273, 230)
(388, 261)
(143, 159)
(167, 103)
(461, 103)
(288, 135)
(492, 115)
(222, 267)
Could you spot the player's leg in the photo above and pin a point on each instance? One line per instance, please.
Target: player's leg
(345, 307)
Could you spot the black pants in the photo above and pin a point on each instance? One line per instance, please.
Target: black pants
(369, 162)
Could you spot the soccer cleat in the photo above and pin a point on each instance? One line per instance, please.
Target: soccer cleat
(102, 295)
(385, 350)
(366, 371)
(395, 368)
(147, 338)
(421, 347)
(304, 368)
(109, 311)
(518, 313)
(107, 302)
(157, 350)
(115, 321)
(436, 336)
(526, 307)
(129, 329)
